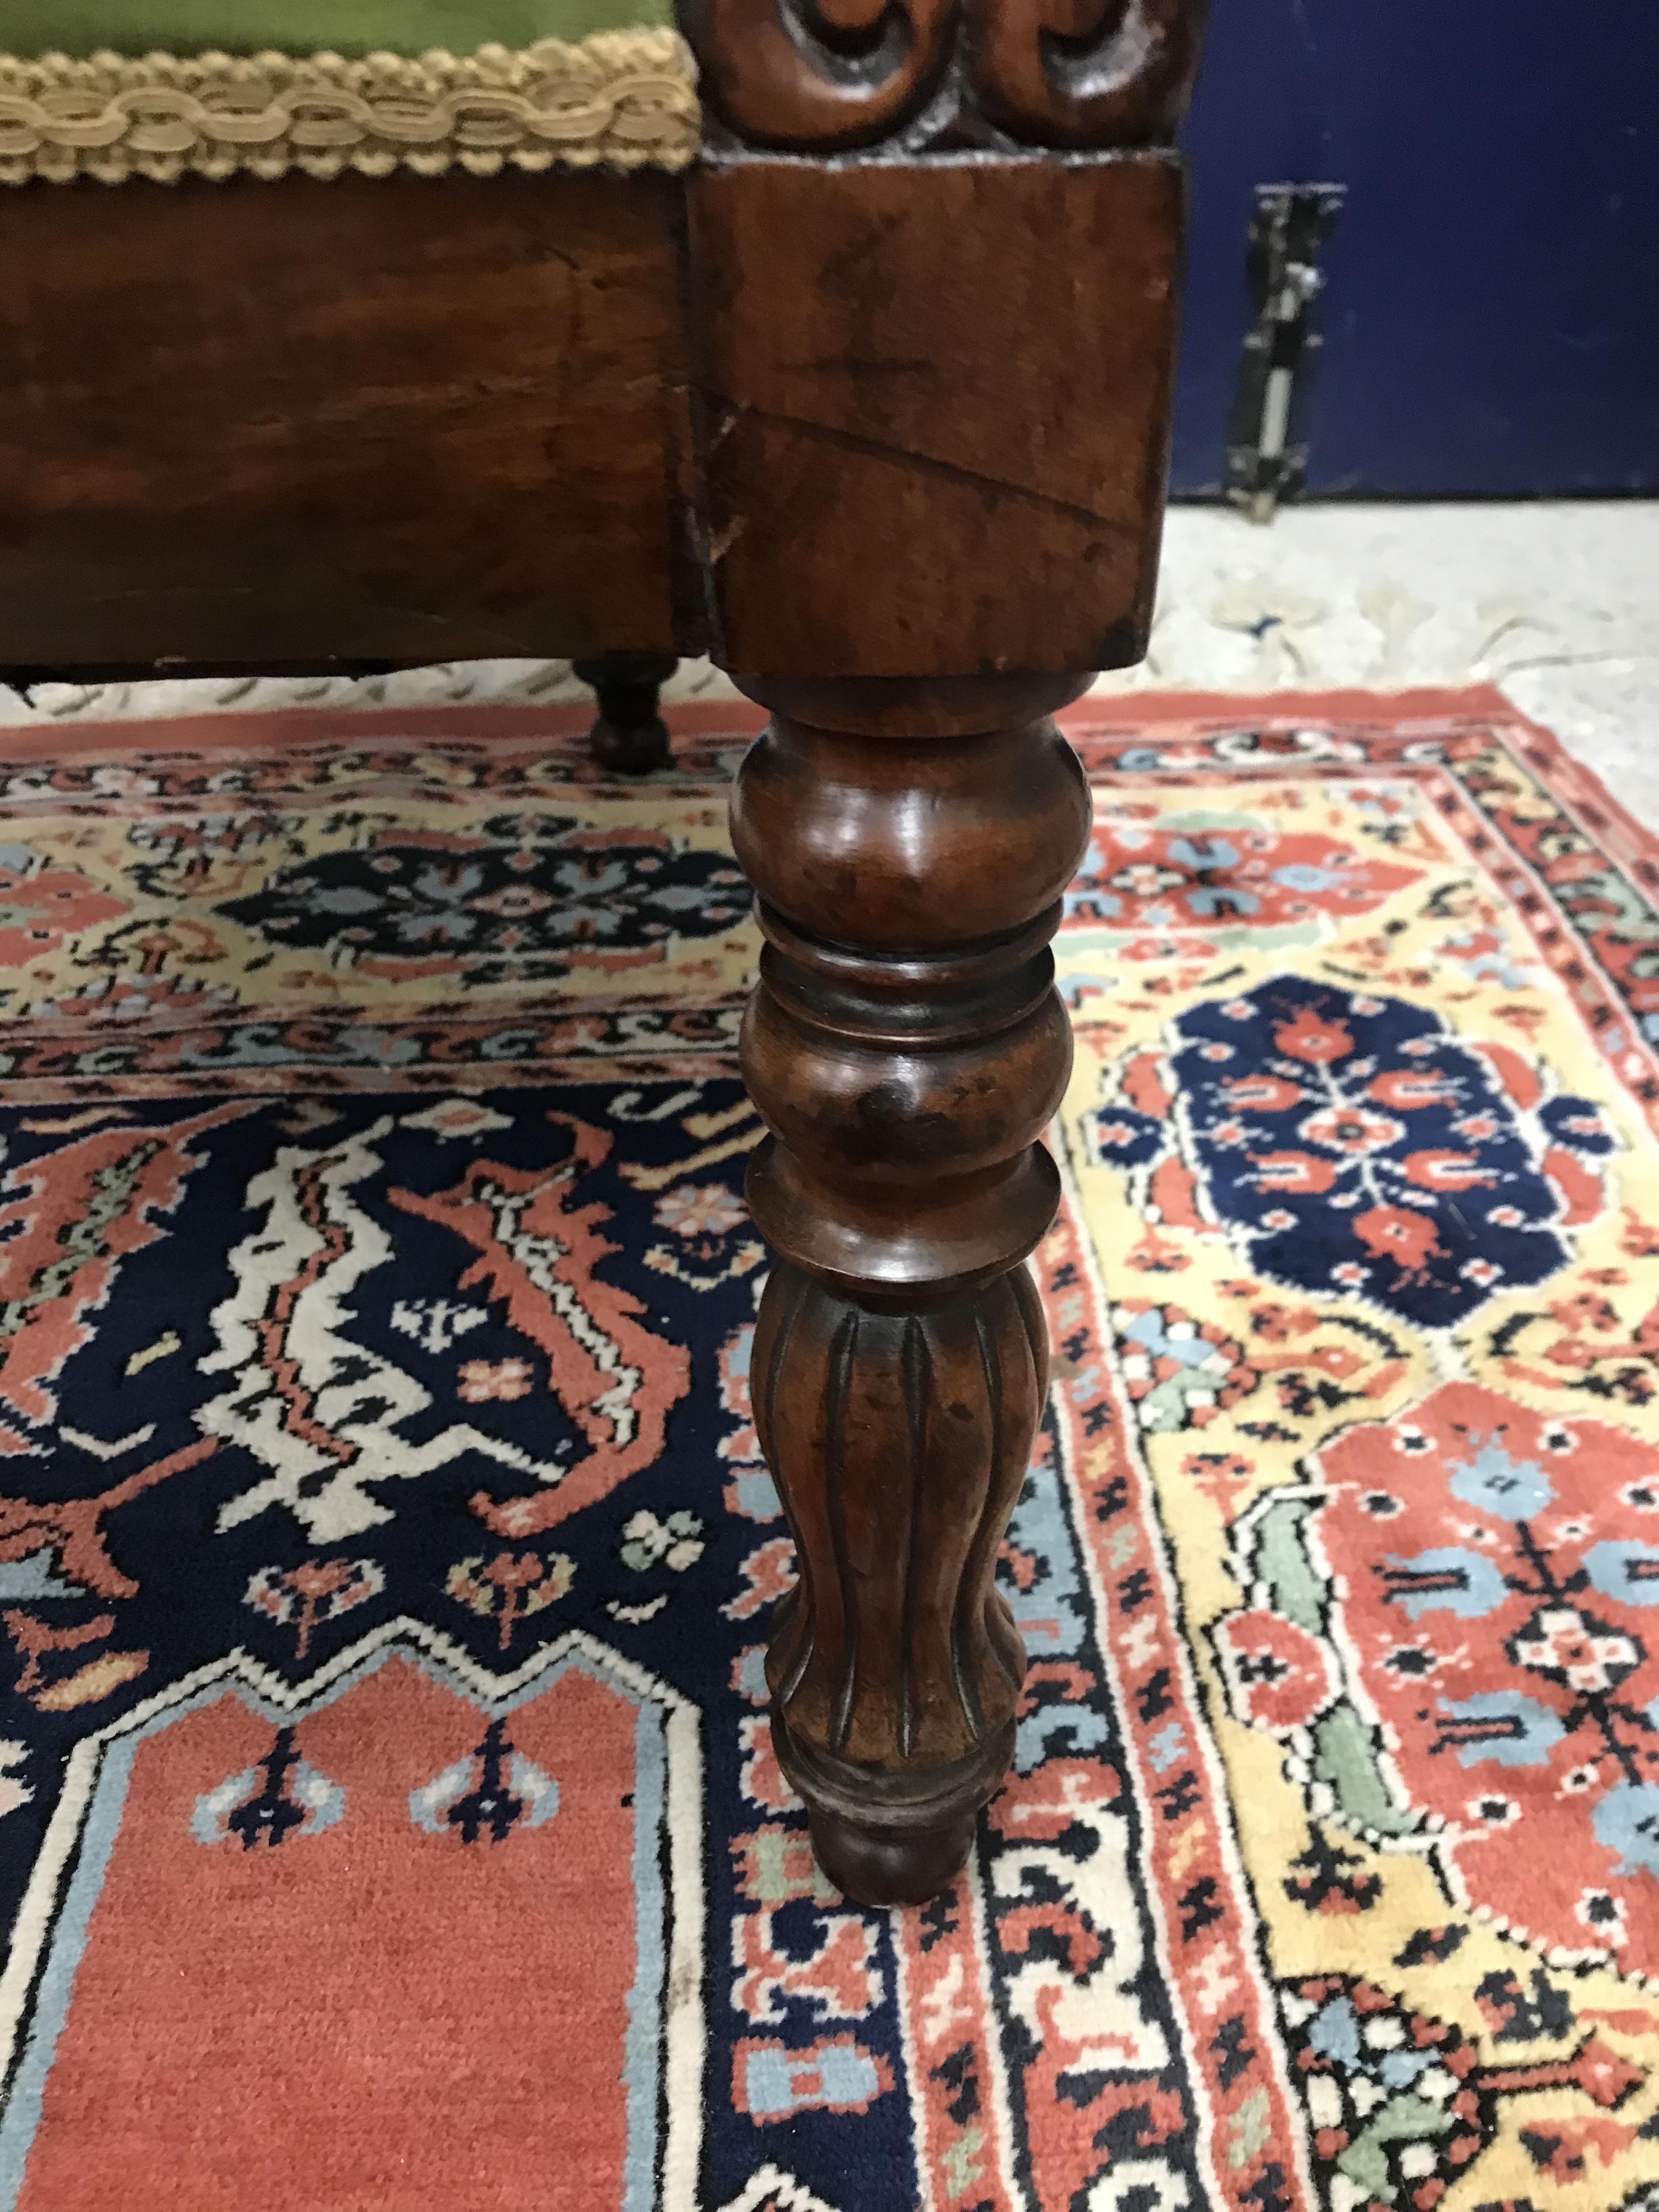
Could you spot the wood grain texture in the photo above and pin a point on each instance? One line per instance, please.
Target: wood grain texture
(934, 404)
(393, 419)
(906, 1047)
(820, 76)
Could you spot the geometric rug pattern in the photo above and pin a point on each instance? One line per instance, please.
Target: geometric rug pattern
(388, 1817)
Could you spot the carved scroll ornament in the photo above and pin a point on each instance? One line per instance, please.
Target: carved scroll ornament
(816, 75)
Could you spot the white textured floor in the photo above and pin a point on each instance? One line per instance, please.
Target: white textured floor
(1558, 602)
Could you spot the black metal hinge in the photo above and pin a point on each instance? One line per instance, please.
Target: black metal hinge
(1267, 441)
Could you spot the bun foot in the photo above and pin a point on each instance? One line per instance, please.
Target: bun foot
(879, 1865)
(630, 747)
(892, 1840)
(630, 737)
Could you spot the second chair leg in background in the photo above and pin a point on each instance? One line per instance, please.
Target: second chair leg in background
(628, 734)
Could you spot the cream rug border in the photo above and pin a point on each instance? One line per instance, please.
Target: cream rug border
(624, 98)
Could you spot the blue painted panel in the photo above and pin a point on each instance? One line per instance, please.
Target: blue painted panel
(1491, 317)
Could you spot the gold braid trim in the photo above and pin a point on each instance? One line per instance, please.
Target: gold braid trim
(628, 98)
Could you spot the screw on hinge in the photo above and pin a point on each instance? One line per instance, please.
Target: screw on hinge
(1267, 457)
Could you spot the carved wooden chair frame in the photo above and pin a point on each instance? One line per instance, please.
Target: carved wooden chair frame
(871, 402)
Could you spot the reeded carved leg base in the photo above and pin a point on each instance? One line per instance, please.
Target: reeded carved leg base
(906, 1046)
(899, 1439)
(628, 736)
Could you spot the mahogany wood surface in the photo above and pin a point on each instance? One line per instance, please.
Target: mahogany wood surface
(392, 419)
(934, 404)
(930, 414)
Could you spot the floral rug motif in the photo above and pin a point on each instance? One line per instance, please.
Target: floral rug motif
(387, 1813)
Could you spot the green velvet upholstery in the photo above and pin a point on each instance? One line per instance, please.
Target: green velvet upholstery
(351, 28)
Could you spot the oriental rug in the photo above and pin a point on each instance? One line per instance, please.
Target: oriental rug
(388, 1815)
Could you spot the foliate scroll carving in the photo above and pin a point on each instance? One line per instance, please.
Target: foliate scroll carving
(1081, 73)
(820, 75)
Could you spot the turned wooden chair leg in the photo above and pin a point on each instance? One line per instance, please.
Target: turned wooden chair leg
(908, 844)
(628, 735)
